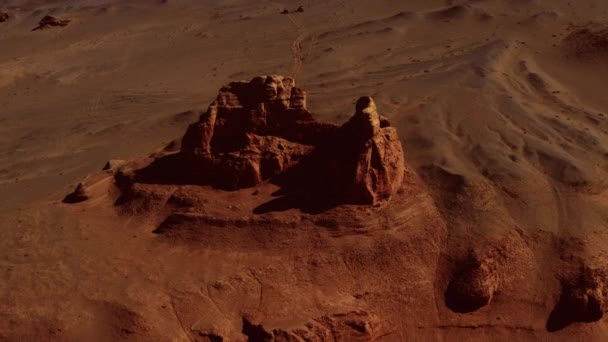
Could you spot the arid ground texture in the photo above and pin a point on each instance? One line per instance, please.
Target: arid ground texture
(238, 170)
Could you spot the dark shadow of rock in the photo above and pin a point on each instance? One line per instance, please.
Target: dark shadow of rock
(473, 286)
(303, 187)
(256, 332)
(80, 194)
(583, 299)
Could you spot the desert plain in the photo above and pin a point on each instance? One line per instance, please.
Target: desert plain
(496, 227)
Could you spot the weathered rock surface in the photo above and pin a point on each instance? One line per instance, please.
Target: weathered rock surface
(372, 164)
(584, 298)
(256, 130)
(261, 130)
(80, 194)
(50, 21)
(474, 286)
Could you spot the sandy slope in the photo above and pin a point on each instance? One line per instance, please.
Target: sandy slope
(502, 119)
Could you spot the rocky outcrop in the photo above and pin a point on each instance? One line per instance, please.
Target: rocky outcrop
(474, 286)
(257, 130)
(50, 21)
(252, 131)
(584, 298)
(260, 131)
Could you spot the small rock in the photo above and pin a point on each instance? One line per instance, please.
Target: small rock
(474, 286)
(50, 21)
(4, 16)
(300, 9)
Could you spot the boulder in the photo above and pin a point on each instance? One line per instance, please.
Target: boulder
(4, 16)
(474, 286)
(375, 165)
(583, 298)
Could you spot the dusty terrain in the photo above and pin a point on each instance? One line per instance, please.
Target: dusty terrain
(497, 231)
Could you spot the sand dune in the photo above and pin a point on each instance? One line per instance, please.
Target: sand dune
(497, 232)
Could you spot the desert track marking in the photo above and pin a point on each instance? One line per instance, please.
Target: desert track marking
(296, 47)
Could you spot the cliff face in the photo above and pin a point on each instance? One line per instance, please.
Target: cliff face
(257, 130)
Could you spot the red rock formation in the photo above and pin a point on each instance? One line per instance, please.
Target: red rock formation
(584, 298)
(256, 130)
(374, 167)
(474, 286)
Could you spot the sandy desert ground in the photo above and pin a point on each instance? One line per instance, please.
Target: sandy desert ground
(501, 110)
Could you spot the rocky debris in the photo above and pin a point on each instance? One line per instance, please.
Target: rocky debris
(262, 130)
(584, 298)
(4, 16)
(474, 286)
(80, 194)
(252, 132)
(349, 326)
(264, 157)
(50, 21)
(257, 130)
